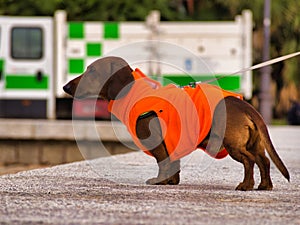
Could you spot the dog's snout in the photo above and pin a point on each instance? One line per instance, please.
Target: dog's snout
(68, 88)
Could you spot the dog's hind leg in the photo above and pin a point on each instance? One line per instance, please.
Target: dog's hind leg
(236, 140)
(248, 163)
(150, 135)
(263, 164)
(264, 167)
(256, 147)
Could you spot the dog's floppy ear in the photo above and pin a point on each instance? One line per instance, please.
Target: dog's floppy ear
(119, 80)
(120, 83)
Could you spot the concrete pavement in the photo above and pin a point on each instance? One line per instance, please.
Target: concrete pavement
(111, 190)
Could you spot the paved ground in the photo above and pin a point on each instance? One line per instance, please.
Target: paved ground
(112, 191)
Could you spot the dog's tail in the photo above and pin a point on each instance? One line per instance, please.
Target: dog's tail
(265, 137)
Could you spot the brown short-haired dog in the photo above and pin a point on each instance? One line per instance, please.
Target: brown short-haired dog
(232, 123)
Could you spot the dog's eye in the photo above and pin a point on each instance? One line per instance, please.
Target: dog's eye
(91, 69)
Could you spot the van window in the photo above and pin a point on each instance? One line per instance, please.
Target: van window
(27, 43)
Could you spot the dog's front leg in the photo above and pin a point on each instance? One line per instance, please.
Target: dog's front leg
(150, 135)
(168, 171)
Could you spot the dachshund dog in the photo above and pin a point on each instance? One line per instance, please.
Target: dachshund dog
(170, 122)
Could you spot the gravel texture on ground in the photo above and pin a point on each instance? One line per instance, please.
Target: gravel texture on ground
(112, 190)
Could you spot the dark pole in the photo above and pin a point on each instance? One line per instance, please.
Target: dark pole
(265, 82)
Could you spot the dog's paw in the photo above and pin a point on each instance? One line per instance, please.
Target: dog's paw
(267, 187)
(244, 187)
(159, 181)
(155, 181)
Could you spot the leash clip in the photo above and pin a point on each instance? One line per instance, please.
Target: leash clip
(193, 84)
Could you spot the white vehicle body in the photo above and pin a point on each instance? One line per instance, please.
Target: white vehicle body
(38, 55)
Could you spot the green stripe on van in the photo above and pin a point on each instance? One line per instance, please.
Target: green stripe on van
(1, 69)
(76, 30)
(111, 30)
(76, 66)
(230, 83)
(25, 82)
(1, 65)
(94, 49)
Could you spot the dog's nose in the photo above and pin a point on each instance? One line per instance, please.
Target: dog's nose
(68, 88)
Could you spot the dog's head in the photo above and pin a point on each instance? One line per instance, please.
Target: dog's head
(107, 78)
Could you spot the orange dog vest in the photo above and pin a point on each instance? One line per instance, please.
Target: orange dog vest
(185, 114)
